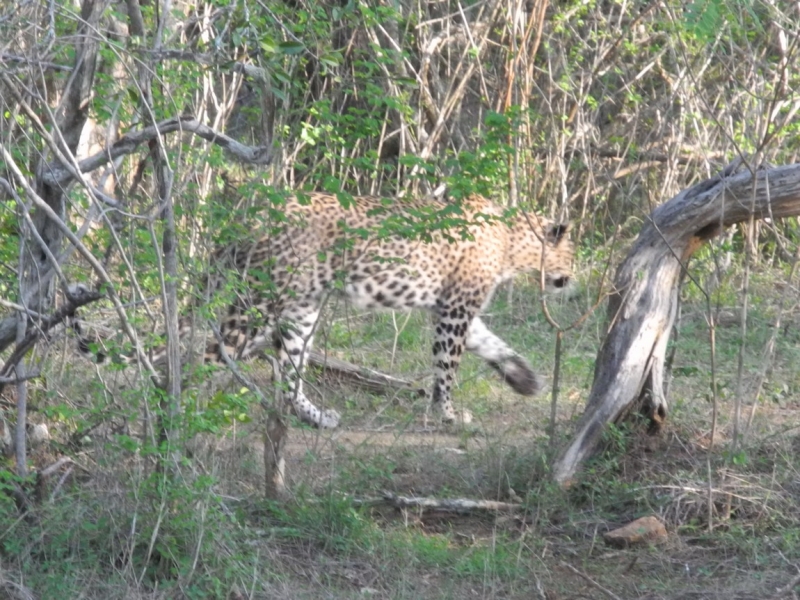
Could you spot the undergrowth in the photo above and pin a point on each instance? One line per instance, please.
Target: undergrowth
(127, 523)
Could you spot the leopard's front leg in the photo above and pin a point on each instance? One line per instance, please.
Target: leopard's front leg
(452, 324)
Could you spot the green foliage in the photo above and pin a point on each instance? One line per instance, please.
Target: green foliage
(153, 537)
(221, 411)
(705, 19)
(486, 170)
(334, 525)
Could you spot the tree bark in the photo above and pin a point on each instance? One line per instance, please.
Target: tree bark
(641, 312)
(275, 438)
(70, 120)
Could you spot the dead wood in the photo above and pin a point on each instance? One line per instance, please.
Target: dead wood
(641, 311)
(43, 476)
(591, 581)
(787, 591)
(460, 505)
(15, 591)
(363, 377)
(128, 143)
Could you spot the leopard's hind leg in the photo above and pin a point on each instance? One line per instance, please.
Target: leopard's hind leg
(295, 335)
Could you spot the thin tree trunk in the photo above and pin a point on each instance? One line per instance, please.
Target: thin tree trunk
(20, 447)
(274, 454)
(39, 249)
(172, 386)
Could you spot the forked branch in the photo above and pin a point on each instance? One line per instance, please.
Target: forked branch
(79, 298)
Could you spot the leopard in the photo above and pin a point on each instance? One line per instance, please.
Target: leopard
(444, 257)
(327, 244)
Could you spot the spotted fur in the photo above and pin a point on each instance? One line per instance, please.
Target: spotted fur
(453, 273)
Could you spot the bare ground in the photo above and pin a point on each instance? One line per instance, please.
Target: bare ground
(565, 543)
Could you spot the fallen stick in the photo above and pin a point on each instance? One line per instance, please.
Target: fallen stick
(449, 505)
(362, 376)
(788, 588)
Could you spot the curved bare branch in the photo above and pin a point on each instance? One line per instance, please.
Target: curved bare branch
(258, 155)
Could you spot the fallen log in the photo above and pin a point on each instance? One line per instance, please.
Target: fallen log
(457, 505)
(363, 377)
(629, 368)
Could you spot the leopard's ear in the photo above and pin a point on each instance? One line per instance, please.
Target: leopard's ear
(555, 233)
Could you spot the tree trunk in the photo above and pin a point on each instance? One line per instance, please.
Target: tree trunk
(641, 312)
(274, 455)
(71, 118)
(42, 243)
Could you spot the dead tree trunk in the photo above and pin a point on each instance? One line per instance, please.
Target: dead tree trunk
(641, 312)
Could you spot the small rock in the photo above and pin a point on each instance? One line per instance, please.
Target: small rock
(640, 531)
(368, 591)
(38, 434)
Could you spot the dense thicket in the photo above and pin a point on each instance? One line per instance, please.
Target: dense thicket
(138, 135)
(142, 134)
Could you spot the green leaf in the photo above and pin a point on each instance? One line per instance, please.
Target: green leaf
(331, 59)
(704, 19)
(291, 47)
